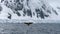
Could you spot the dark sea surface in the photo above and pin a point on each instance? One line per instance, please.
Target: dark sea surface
(37, 28)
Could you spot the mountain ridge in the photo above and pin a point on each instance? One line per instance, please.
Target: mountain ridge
(31, 8)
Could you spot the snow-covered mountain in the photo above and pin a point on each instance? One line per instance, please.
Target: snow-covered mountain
(19, 9)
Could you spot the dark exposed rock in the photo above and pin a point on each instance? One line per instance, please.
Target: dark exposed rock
(49, 11)
(41, 14)
(16, 1)
(54, 11)
(33, 13)
(44, 6)
(37, 12)
(22, 0)
(6, 3)
(1, 8)
(2, 0)
(27, 2)
(19, 6)
(18, 13)
(46, 15)
(24, 11)
(29, 13)
(9, 16)
(58, 7)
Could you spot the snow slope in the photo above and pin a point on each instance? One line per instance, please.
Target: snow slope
(40, 10)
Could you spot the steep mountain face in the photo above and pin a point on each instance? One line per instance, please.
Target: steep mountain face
(31, 8)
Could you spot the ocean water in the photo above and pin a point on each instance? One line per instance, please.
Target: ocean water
(35, 28)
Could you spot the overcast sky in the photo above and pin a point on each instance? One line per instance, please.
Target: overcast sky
(54, 2)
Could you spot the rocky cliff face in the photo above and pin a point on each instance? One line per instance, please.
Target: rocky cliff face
(31, 8)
